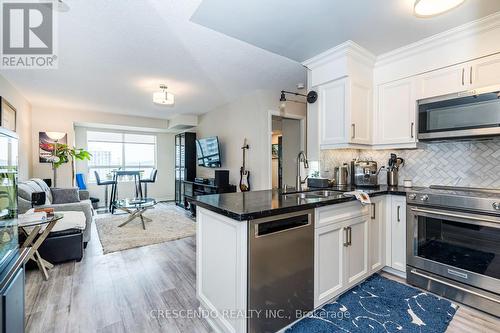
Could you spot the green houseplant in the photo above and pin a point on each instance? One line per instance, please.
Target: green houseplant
(65, 154)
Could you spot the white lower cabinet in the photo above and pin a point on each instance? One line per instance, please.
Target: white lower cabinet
(353, 241)
(328, 262)
(398, 233)
(341, 249)
(356, 250)
(376, 230)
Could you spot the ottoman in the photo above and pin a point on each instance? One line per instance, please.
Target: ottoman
(65, 241)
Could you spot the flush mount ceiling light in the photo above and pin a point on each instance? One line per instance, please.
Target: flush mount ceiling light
(429, 8)
(311, 97)
(163, 97)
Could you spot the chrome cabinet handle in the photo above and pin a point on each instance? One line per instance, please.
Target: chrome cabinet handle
(399, 209)
(411, 129)
(463, 76)
(353, 131)
(414, 271)
(460, 216)
(349, 232)
(470, 76)
(373, 211)
(346, 232)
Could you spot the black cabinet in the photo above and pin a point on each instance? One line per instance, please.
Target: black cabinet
(13, 304)
(192, 189)
(12, 294)
(185, 164)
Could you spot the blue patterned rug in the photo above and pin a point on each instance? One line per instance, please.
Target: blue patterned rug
(380, 305)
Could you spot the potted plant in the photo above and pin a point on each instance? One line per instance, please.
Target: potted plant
(65, 154)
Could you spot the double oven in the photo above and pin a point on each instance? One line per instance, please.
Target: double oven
(453, 244)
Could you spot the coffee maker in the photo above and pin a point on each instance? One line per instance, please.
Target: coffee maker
(364, 173)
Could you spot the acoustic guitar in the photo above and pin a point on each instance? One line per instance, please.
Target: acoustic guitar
(244, 174)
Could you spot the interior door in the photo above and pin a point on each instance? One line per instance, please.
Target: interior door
(290, 145)
(356, 261)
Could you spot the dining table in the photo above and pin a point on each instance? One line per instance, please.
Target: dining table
(117, 175)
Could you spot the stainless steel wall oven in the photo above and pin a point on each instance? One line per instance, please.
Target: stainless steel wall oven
(453, 245)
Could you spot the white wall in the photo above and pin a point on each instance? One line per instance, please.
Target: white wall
(247, 117)
(63, 120)
(23, 127)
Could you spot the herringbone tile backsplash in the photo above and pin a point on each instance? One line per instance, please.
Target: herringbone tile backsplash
(462, 163)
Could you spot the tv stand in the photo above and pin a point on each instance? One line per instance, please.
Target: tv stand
(192, 189)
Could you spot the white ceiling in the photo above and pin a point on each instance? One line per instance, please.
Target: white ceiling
(300, 30)
(113, 55)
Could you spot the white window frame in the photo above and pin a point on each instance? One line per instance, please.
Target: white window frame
(122, 142)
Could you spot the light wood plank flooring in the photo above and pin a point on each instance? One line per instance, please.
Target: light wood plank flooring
(118, 291)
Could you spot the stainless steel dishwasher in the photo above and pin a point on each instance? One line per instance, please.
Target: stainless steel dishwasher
(280, 270)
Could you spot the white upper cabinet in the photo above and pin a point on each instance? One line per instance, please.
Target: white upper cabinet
(485, 72)
(332, 117)
(361, 113)
(344, 113)
(343, 78)
(478, 73)
(444, 81)
(396, 112)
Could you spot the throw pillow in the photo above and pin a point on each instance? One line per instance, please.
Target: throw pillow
(65, 195)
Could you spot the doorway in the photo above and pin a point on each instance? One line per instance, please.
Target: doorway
(286, 143)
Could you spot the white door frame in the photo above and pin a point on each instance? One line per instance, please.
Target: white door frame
(270, 114)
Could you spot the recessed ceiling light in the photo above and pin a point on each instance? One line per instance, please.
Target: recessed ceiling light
(429, 8)
(163, 97)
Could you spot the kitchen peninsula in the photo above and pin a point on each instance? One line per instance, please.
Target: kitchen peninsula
(266, 257)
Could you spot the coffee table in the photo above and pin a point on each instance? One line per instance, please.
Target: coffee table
(34, 239)
(136, 208)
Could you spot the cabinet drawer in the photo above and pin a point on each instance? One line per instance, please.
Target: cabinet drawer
(339, 213)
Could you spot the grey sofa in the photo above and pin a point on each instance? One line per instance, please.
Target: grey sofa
(26, 188)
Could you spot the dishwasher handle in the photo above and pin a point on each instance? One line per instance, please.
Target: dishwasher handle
(281, 225)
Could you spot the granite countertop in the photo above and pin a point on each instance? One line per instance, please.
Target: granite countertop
(243, 206)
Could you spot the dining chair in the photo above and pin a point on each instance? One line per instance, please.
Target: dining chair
(105, 183)
(151, 179)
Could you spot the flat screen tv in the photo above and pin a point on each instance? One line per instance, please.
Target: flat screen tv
(208, 152)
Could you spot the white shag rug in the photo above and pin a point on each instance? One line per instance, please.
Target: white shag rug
(168, 223)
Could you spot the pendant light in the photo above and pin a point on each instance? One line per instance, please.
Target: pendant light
(429, 8)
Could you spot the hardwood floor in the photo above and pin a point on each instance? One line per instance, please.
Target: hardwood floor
(124, 291)
(119, 292)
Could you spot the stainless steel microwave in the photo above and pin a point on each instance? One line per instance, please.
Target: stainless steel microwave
(468, 114)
